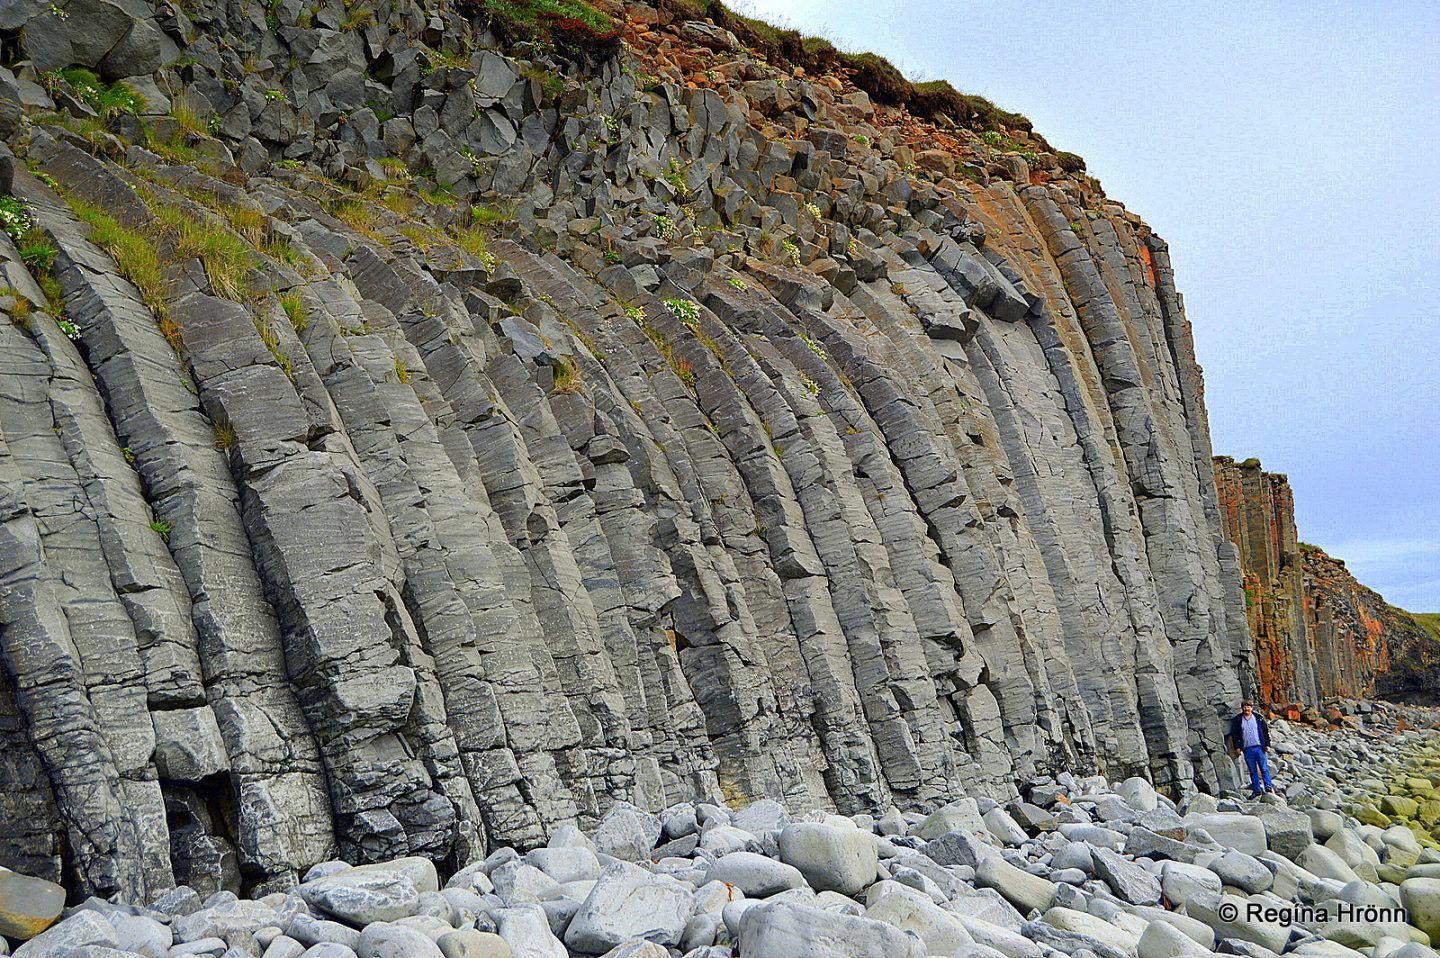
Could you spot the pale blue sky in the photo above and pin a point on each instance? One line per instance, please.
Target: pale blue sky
(1290, 154)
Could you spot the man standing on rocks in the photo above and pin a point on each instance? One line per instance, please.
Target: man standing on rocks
(1251, 735)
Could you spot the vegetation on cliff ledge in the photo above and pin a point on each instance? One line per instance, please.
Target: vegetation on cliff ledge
(874, 74)
(573, 24)
(1429, 621)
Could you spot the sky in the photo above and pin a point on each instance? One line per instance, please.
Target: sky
(1290, 155)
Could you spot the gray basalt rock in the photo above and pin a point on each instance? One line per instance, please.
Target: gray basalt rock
(690, 455)
(1025, 891)
(381, 940)
(362, 898)
(787, 928)
(1288, 831)
(626, 903)
(838, 858)
(1129, 881)
(28, 905)
(755, 875)
(627, 832)
(1242, 871)
(82, 929)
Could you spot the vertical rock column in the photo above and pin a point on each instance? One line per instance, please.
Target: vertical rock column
(282, 817)
(1258, 512)
(1099, 552)
(1162, 471)
(75, 737)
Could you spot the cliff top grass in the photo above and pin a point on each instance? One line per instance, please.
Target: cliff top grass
(874, 74)
(1429, 621)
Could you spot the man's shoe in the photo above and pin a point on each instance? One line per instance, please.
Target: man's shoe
(1253, 795)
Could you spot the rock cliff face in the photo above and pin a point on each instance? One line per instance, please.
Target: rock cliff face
(1318, 633)
(775, 444)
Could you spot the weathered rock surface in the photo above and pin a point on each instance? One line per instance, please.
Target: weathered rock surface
(27, 905)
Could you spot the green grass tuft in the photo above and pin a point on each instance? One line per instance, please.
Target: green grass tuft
(296, 311)
(134, 252)
(565, 375)
(104, 98)
(534, 13)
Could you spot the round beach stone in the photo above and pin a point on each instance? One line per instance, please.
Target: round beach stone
(1421, 898)
(756, 875)
(473, 943)
(386, 940)
(362, 897)
(28, 905)
(831, 857)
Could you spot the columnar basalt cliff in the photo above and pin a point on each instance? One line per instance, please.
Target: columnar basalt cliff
(415, 439)
(1318, 633)
(1259, 515)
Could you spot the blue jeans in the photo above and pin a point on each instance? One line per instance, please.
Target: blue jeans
(1259, 767)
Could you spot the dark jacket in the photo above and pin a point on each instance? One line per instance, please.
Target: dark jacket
(1237, 735)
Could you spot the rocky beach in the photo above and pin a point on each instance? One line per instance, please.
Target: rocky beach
(1343, 862)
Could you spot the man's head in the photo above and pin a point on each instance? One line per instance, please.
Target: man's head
(1247, 708)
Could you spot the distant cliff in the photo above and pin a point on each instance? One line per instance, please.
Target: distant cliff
(1318, 633)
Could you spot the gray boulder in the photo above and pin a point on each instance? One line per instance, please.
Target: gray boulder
(909, 910)
(473, 943)
(627, 832)
(637, 949)
(420, 871)
(324, 949)
(755, 875)
(786, 929)
(1025, 891)
(1186, 884)
(964, 813)
(146, 936)
(629, 902)
(1003, 828)
(283, 946)
(1232, 920)
(310, 931)
(28, 905)
(760, 817)
(1138, 793)
(958, 847)
(382, 940)
(1421, 898)
(565, 864)
(362, 897)
(526, 929)
(1243, 871)
(1240, 832)
(1163, 940)
(1288, 831)
(1079, 929)
(79, 930)
(838, 858)
(1127, 880)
